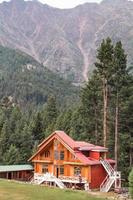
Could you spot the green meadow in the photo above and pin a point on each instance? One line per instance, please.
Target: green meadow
(10, 190)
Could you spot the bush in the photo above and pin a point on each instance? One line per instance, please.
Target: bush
(131, 183)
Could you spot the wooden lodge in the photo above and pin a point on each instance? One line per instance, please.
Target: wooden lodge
(64, 162)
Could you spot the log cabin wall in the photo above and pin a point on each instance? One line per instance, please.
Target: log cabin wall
(64, 163)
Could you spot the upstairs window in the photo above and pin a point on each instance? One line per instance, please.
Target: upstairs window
(62, 155)
(77, 171)
(86, 153)
(47, 154)
(102, 155)
(56, 155)
(56, 143)
(73, 157)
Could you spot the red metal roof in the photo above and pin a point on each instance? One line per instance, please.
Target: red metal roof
(82, 146)
(76, 146)
(68, 140)
(93, 148)
(85, 146)
(86, 160)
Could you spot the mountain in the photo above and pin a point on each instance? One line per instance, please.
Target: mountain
(26, 82)
(65, 40)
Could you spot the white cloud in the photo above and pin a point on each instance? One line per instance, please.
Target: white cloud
(63, 3)
(66, 3)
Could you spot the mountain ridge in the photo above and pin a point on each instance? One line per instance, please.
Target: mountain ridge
(65, 40)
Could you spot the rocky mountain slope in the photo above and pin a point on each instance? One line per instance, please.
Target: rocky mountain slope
(65, 40)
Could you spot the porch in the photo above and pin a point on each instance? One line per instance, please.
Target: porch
(62, 181)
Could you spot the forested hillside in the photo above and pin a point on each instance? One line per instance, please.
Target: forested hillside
(31, 98)
(26, 82)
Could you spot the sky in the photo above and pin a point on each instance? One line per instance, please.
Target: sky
(63, 3)
(66, 3)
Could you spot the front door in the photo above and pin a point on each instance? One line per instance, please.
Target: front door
(57, 171)
(9, 175)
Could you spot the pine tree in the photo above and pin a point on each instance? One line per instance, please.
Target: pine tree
(125, 127)
(26, 144)
(50, 115)
(103, 67)
(91, 106)
(63, 121)
(4, 139)
(11, 156)
(15, 117)
(119, 79)
(36, 127)
(77, 130)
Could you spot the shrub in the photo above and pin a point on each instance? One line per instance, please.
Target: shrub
(131, 183)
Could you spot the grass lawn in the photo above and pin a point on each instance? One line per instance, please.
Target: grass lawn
(18, 191)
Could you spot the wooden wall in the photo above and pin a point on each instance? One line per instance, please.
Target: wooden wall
(41, 160)
(98, 174)
(18, 175)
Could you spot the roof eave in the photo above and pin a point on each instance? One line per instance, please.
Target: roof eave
(100, 150)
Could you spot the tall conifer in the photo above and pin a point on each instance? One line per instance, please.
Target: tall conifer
(104, 68)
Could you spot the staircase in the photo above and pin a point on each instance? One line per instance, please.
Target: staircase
(59, 183)
(109, 169)
(40, 178)
(112, 177)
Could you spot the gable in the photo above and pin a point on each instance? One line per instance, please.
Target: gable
(50, 147)
(63, 136)
(55, 142)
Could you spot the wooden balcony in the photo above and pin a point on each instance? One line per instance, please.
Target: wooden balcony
(43, 161)
(72, 179)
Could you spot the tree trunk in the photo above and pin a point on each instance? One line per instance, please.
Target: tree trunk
(96, 125)
(131, 153)
(116, 129)
(105, 99)
(131, 157)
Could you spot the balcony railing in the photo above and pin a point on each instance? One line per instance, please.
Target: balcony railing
(72, 179)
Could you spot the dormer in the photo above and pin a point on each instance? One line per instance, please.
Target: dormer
(92, 151)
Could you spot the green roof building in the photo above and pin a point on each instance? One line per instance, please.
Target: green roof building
(16, 172)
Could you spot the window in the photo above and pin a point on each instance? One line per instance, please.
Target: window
(44, 169)
(61, 170)
(102, 155)
(56, 143)
(62, 155)
(86, 153)
(73, 157)
(56, 155)
(77, 171)
(47, 154)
